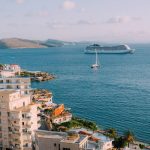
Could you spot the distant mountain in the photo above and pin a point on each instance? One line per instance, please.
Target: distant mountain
(24, 43)
(56, 43)
(20, 43)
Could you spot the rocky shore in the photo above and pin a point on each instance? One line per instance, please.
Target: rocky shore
(37, 75)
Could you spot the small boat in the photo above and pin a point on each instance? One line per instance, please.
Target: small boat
(96, 65)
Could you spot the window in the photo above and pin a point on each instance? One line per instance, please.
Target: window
(7, 81)
(54, 144)
(66, 148)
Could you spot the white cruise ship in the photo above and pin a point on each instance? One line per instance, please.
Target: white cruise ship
(120, 49)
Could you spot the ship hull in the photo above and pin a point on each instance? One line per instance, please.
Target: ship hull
(129, 51)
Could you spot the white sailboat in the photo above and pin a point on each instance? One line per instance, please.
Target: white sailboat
(96, 65)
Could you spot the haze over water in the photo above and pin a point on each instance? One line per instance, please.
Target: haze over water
(117, 95)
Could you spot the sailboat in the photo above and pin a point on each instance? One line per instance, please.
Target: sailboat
(96, 65)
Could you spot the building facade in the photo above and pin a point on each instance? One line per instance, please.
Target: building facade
(18, 120)
(49, 140)
(11, 67)
(65, 117)
(15, 83)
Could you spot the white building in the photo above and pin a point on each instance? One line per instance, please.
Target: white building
(4, 73)
(50, 140)
(9, 70)
(65, 117)
(12, 67)
(18, 120)
(15, 83)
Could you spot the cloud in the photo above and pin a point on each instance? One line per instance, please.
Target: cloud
(84, 22)
(123, 19)
(41, 13)
(69, 5)
(56, 24)
(19, 1)
(83, 10)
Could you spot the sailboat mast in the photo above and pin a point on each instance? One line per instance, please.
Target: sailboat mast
(96, 56)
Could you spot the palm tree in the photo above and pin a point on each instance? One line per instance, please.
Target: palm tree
(112, 133)
(129, 137)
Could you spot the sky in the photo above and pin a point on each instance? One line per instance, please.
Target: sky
(76, 20)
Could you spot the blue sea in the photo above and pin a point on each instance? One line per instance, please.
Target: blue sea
(117, 95)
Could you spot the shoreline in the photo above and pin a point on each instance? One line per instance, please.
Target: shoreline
(103, 131)
(37, 76)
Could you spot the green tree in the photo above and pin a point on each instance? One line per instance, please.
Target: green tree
(129, 137)
(112, 133)
(141, 146)
(119, 142)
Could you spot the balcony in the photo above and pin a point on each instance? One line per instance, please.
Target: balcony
(16, 146)
(14, 83)
(26, 116)
(15, 141)
(14, 135)
(14, 118)
(27, 147)
(26, 131)
(14, 125)
(27, 125)
(16, 131)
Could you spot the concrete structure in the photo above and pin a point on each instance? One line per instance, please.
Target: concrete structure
(11, 67)
(97, 141)
(48, 140)
(18, 120)
(9, 70)
(15, 83)
(4, 73)
(64, 117)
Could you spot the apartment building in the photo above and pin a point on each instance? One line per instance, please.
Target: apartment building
(50, 140)
(18, 120)
(9, 70)
(15, 83)
(11, 67)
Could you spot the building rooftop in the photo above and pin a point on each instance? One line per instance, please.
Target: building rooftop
(50, 134)
(63, 136)
(25, 108)
(95, 136)
(4, 91)
(74, 139)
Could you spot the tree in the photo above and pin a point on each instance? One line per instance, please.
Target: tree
(119, 142)
(112, 133)
(141, 146)
(129, 137)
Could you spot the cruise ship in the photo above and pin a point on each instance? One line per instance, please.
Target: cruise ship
(120, 49)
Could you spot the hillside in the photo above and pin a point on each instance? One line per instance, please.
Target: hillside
(13, 43)
(20, 43)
